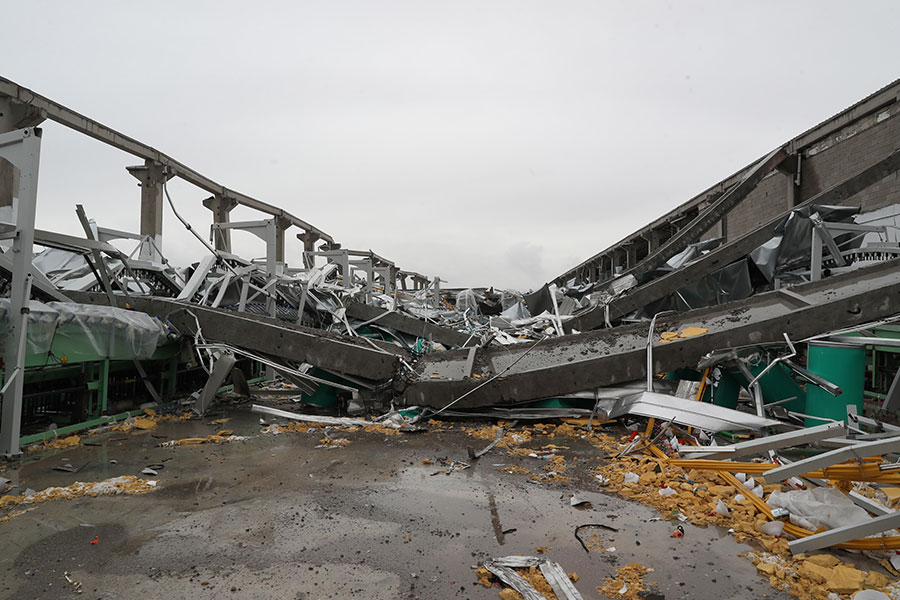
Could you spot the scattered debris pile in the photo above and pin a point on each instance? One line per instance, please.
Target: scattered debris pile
(126, 484)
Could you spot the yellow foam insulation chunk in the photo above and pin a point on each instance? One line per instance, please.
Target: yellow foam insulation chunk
(484, 577)
(59, 443)
(127, 484)
(823, 560)
(688, 332)
(877, 580)
(627, 584)
(845, 580)
(892, 493)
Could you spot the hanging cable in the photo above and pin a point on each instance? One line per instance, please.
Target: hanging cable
(188, 225)
(478, 387)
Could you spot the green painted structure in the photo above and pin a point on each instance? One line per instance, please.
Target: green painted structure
(842, 364)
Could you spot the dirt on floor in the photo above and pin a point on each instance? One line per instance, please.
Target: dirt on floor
(302, 512)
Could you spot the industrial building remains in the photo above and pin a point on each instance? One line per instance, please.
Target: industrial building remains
(733, 364)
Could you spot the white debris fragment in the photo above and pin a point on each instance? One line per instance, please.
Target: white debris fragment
(577, 500)
(774, 528)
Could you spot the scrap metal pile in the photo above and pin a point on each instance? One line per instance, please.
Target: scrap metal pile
(759, 339)
(724, 340)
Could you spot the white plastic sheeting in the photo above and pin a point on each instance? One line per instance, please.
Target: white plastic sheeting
(111, 332)
(819, 507)
(42, 321)
(102, 330)
(467, 303)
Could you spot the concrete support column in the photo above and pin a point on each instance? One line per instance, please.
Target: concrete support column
(9, 183)
(619, 260)
(309, 245)
(221, 207)
(395, 273)
(151, 175)
(655, 240)
(791, 167)
(281, 225)
(793, 184)
(630, 256)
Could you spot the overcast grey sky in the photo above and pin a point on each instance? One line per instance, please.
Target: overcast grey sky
(488, 142)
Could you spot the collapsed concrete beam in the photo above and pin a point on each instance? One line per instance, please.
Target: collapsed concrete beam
(406, 324)
(586, 361)
(727, 254)
(709, 217)
(338, 354)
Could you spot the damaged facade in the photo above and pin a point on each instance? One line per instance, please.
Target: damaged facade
(757, 318)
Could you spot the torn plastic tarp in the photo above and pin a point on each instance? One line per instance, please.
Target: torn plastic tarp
(516, 312)
(42, 321)
(819, 507)
(101, 330)
(110, 332)
(692, 252)
(509, 298)
(727, 284)
(467, 303)
(792, 242)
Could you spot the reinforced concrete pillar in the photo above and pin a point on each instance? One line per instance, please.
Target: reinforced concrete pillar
(9, 189)
(630, 256)
(309, 240)
(9, 183)
(395, 274)
(280, 226)
(793, 184)
(221, 207)
(151, 175)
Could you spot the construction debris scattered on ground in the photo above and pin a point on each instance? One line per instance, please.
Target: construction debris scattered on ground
(733, 367)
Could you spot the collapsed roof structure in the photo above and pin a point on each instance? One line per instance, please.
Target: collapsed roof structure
(799, 246)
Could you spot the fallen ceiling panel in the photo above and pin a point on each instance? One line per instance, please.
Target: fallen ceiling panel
(688, 412)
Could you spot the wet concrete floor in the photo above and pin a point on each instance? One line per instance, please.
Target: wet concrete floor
(275, 517)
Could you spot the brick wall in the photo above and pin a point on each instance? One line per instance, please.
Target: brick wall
(851, 155)
(832, 151)
(824, 165)
(765, 202)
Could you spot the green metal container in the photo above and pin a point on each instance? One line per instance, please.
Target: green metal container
(724, 389)
(842, 364)
(778, 384)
